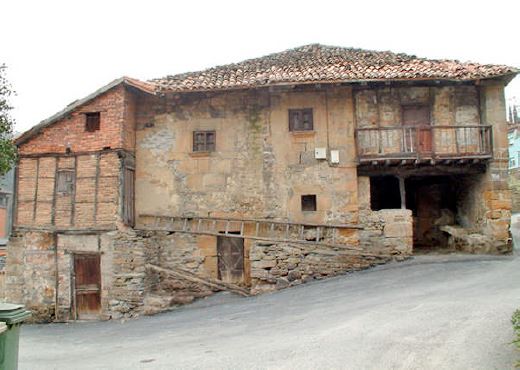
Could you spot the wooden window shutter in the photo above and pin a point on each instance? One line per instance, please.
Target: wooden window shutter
(65, 182)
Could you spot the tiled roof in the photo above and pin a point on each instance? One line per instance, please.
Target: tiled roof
(319, 63)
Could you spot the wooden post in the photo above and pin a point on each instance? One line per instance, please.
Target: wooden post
(402, 191)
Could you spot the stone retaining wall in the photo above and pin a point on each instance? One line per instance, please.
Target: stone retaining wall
(280, 265)
(387, 232)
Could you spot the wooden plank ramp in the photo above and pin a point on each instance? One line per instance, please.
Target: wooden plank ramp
(207, 281)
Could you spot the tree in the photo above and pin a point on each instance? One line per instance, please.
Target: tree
(7, 147)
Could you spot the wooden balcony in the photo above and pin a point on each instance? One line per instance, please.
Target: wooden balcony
(423, 144)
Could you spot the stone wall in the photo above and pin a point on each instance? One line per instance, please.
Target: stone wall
(31, 273)
(387, 232)
(280, 265)
(259, 169)
(514, 185)
(40, 268)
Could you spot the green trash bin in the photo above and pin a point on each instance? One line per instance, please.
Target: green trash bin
(12, 316)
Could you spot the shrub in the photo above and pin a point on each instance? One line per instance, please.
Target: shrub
(516, 326)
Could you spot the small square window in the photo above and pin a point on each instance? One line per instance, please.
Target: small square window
(65, 182)
(309, 203)
(92, 122)
(301, 119)
(3, 200)
(204, 141)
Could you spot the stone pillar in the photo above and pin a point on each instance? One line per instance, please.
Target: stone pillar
(496, 195)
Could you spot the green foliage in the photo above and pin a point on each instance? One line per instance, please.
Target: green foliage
(516, 325)
(7, 148)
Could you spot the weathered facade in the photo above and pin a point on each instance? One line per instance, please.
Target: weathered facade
(143, 196)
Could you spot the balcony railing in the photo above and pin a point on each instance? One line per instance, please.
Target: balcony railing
(424, 142)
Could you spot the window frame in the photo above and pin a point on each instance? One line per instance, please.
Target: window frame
(301, 126)
(70, 184)
(207, 147)
(92, 121)
(309, 200)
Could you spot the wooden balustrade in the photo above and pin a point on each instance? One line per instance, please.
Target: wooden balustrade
(424, 142)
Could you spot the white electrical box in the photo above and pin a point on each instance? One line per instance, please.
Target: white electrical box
(320, 153)
(334, 156)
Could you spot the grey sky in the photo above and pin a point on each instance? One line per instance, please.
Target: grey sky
(59, 51)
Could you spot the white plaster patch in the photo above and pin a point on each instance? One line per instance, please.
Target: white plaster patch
(159, 142)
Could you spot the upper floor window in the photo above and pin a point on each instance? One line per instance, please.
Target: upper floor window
(301, 120)
(204, 141)
(65, 182)
(92, 121)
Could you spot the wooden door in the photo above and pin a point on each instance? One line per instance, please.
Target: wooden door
(418, 116)
(87, 286)
(230, 252)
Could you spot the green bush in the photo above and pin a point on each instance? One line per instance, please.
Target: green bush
(516, 325)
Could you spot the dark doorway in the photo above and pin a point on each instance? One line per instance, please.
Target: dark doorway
(230, 252)
(433, 201)
(384, 193)
(87, 286)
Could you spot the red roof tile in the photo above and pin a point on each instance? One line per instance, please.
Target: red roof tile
(319, 63)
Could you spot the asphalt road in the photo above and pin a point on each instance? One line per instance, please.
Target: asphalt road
(431, 312)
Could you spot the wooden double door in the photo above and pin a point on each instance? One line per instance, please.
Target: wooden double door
(87, 286)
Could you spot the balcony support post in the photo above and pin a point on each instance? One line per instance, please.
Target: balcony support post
(402, 192)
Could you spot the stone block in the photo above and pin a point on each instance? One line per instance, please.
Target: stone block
(398, 229)
(263, 264)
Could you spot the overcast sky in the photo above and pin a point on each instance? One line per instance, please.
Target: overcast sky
(59, 51)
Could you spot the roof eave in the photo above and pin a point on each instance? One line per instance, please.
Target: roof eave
(507, 77)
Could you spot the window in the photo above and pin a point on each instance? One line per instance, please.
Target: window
(3, 200)
(309, 203)
(301, 120)
(203, 141)
(65, 182)
(92, 121)
(512, 163)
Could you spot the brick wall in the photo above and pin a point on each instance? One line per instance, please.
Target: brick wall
(94, 202)
(116, 107)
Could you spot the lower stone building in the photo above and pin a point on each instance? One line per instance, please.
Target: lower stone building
(254, 177)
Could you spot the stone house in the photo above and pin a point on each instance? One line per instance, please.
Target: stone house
(256, 176)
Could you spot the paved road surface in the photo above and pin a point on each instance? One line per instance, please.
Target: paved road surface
(433, 312)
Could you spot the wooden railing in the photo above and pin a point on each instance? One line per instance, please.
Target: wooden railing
(325, 235)
(444, 142)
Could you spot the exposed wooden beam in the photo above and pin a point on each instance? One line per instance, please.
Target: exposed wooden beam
(402, 192)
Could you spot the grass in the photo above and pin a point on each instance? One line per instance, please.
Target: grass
(515, 320)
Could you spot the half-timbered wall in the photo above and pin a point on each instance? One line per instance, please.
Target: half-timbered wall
(91, 200)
